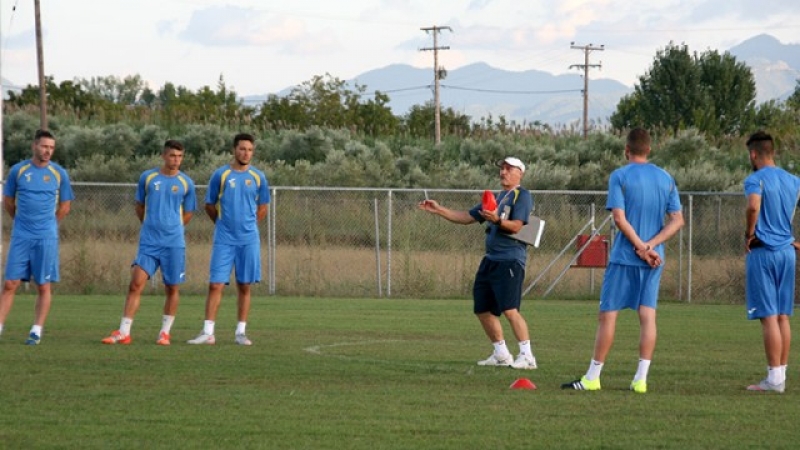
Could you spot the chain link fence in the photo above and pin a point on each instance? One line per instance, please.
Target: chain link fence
(340, 242)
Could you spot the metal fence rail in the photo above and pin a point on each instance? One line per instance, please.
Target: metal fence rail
(351, 242)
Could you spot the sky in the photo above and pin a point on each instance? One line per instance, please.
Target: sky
(264, 46)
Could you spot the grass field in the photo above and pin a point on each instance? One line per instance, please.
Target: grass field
(381, 374)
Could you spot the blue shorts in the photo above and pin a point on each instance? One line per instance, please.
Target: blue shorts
(498, 286)
(245, 259)
(769, 282)
(35, 259)
(172, 262)
(630, 287)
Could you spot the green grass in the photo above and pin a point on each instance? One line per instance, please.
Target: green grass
(372, 374)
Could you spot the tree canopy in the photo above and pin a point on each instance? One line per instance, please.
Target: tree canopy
(709, 91)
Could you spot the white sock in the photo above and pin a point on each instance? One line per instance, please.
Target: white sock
(500, 348)
(641, 371)
(595, 367)
(525, 348)
(166, 323)
(774, 375)
(37, 330)
(783, 373)
(1, 328)
(240, 327)
(208, 327)
(125, 326)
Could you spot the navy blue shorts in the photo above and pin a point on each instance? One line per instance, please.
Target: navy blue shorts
(498, 286)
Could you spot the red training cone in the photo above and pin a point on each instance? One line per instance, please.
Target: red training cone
(523, 383)
(488, 203)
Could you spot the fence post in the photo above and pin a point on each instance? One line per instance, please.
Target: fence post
(691, 227)
(378, 248)
(389, 209)
(271, 242)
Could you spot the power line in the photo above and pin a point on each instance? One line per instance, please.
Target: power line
(501, 91)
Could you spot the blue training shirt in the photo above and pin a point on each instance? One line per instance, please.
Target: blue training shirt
(647, 193)
(38, 191)
(237, 195)
(500, 247)
(165, 199)
(779, 191)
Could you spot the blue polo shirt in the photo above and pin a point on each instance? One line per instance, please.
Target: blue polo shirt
(646, 193)
(500, 247)
(237, 195)
(38, 191)
(779, 191)
(165, 199)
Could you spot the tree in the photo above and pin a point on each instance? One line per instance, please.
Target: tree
(793, 102)
(710, 91)
(67, 96)
(326, 101)
(123, 91)
(419, 121)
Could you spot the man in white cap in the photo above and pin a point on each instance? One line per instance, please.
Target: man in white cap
(498, 283)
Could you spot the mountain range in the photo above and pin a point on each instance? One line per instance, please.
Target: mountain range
(481, 91)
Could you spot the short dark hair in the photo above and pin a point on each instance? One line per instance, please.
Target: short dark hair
(172, 144)
(638, 141)
(243, 137)
(43, 134)
(761, 142)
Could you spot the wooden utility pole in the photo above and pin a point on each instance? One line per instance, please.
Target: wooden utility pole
(40, 59)
(586, 66)
(437, 130)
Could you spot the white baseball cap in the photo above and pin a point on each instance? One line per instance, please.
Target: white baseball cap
(513, 162)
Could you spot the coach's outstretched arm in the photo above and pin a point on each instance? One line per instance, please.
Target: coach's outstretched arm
(461, 217)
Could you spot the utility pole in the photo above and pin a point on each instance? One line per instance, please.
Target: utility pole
(586, 66)
(40, 59)
(437, 130)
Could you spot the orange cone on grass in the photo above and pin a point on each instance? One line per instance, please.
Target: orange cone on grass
(523, 383)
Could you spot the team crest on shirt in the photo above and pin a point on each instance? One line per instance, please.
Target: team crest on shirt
(46, 178)
(248, 182)
(174, 189)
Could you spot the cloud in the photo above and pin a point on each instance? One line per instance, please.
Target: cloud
(165, 27)
(231, 26)
(479, 4)
(745, 10)
(23, 39)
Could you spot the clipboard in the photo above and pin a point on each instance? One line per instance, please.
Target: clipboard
(531, 232)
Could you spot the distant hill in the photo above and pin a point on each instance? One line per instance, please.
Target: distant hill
(775, 66)
(8, 86)
(480, 91)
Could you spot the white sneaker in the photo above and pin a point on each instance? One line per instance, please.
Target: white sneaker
(524, 361)
(241, 339)
(765, 386)
(203, 338)
(495, 360)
